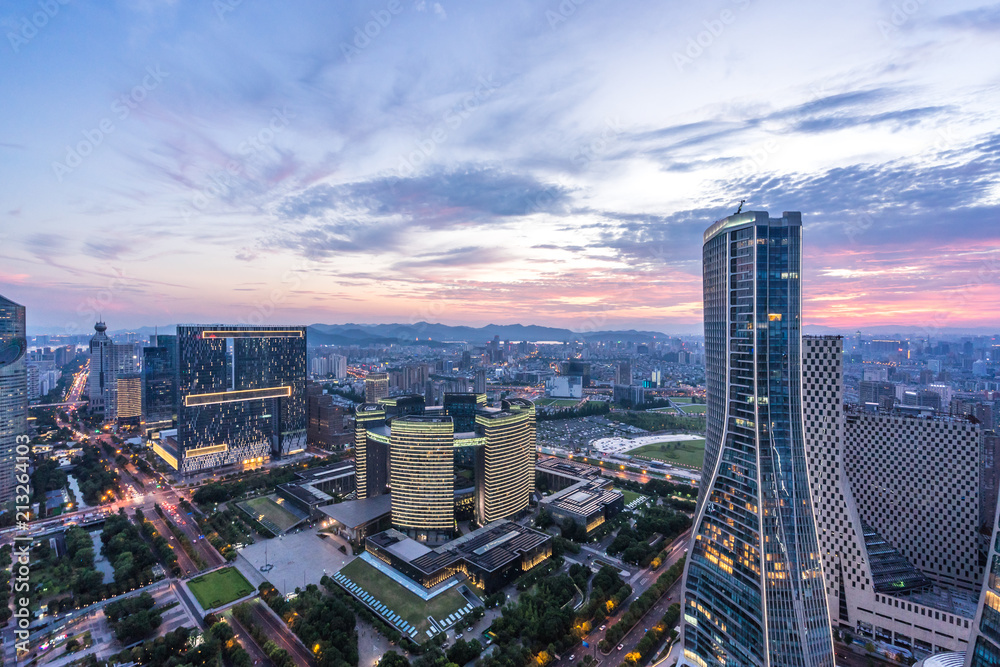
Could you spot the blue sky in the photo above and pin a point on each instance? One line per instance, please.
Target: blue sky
(477, 162)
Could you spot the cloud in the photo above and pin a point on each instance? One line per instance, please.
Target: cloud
(980, 19)
(437, 198)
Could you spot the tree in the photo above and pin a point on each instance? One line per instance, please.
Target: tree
(393, 659)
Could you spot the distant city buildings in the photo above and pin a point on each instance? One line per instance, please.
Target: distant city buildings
(753, 582)
(13, 391)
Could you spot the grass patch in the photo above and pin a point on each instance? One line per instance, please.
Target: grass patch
(679, 400)
(271, 514)
(410, 607)
(220, 587)
(689, 453)
(630, 496)
(557, 402)
(695, 409)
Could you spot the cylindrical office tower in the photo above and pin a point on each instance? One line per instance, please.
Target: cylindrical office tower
(503, 482)
(530, 445)
(421, 476)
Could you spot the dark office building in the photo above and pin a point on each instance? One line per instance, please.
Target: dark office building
(881, 393)
(461, 407)
(576, 367)
(331, 422)
(159, 383)
(401, 406)
(241, 394)
(13, 391)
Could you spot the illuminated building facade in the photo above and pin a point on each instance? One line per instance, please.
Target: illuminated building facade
(129, 408)
(438, 476)
(13, 391)
(241, 394)
(376, 387)
(421, 474)
(506, 470)
(753, 583)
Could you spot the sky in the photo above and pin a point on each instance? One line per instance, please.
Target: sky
(548, 162)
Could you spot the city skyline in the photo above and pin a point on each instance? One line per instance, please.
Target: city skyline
(544, 163)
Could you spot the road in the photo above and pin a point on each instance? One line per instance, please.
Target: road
(280, 633)
(640, 582)
(246, 641)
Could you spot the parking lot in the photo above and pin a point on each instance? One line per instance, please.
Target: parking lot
(580, 432)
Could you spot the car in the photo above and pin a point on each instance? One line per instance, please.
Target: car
(572, 657)
(621, 646)
(603, 627)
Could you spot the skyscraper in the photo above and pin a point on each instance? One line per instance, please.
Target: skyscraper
(753, 583)
(376, 387)
(421, 473)
(108, 362)
(159, 387)
(13, 391)
(241, 394)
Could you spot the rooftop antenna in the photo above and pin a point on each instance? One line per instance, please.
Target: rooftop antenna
(742, 201)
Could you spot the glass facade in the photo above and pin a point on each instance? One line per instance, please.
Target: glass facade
(986, 629)
(421, 475)
(13, 391)
(754, 588)
(241, 394)
(503, 484)
(159, 386)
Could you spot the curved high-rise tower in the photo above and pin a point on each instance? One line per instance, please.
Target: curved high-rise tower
(753, 585)
(421, 474)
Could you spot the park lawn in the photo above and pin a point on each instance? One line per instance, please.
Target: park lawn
(410, 607)
(630, 496)
(667, 410)
(689, 453)
(681, 399)
(557, 402)
(695, 408)
(265, 509)
(219, 587)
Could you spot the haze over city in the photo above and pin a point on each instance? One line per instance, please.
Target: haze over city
(537, 162)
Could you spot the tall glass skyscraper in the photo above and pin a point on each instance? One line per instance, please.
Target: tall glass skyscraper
(13, 391)
(754, 592)
(241, 394)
